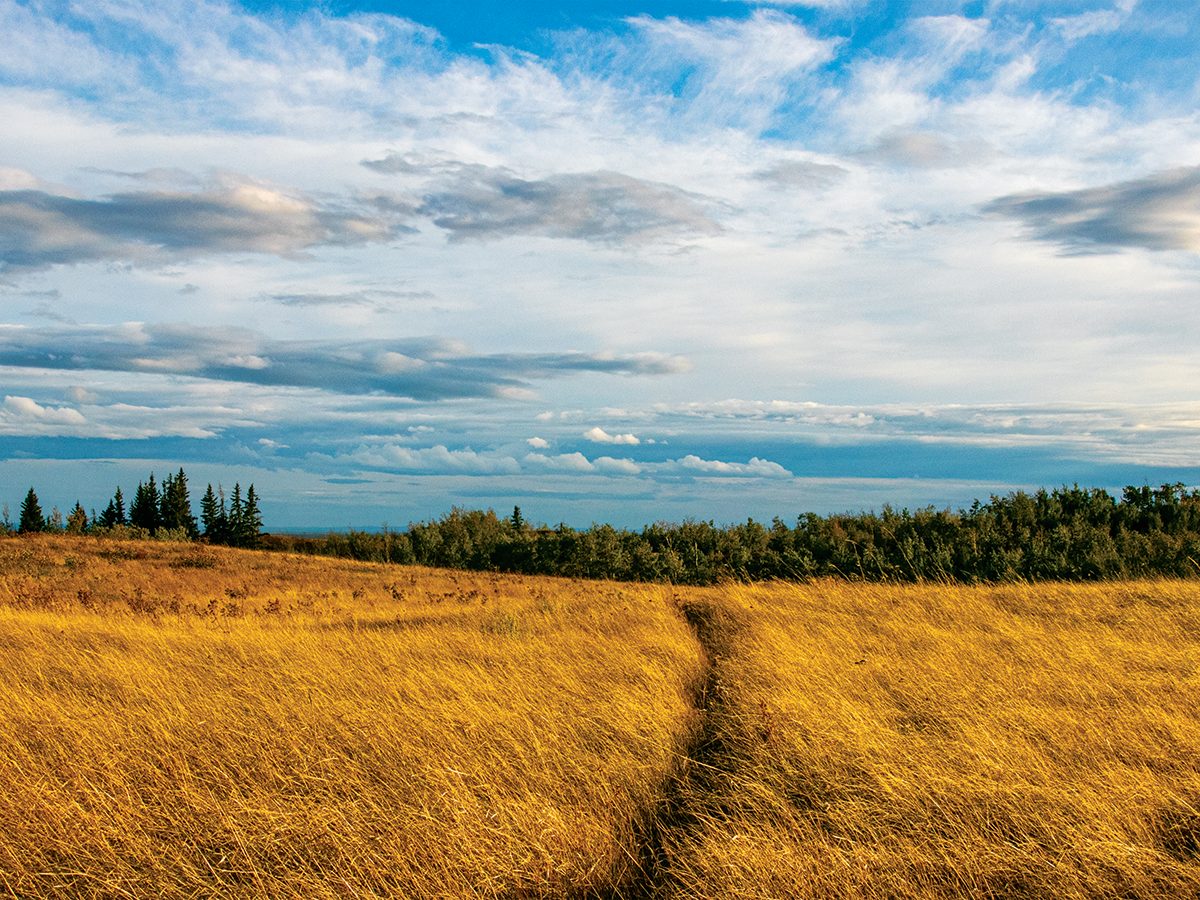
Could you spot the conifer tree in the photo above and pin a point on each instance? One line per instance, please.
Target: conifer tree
(175, 506)
(77, 520)
(114, 513)
(235, 522)
(212, 515)
(251, 519)
(144, 513)
(164, 509)
(31, 514)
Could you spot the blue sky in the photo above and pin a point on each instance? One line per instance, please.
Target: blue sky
(610, 261)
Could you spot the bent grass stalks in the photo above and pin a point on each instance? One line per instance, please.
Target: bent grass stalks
(937, 741)
(179, 721)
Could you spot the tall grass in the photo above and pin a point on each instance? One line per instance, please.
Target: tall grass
(931, 741)
(180, 721)
(184, 721)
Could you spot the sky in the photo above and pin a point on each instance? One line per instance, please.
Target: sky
(607, 260)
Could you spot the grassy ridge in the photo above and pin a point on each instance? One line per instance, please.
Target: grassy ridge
(178, 721)
(1021, 741)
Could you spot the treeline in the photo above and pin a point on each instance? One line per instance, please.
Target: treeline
(157, 510)
(1064, 534)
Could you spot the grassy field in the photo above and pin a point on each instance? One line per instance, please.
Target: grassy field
(932, 741)
(181, 721)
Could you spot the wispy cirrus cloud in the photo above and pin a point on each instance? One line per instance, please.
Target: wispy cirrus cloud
(419, 369)
(379, 300)
(1158, 212)
(1094, 22)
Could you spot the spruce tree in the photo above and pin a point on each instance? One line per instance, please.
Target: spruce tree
(251, 519)
(144, 513)
(175, 506)
(235, 524)
(32, 519)
(114, 513)
(210, 515)
(164, 501)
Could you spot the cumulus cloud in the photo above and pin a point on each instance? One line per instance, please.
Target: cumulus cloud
(40, 229)
(755, 468)
(419, 369)
(580, 464)
(1158, 212)
(24, 409)
(538, 443)
(616, 466)
(598, 435)
(563, 462)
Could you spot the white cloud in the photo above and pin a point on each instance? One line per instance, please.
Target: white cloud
(1094, 22)
(24, 409)
(598, 435)
(738, 71)
(18, 180)
(438, 458)
(755, 468)
(616, 466)
(392, 363)
(79, 394)
(563, 462)
(538, 443)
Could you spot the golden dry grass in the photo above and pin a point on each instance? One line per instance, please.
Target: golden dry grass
(932, 741)
(181, 721)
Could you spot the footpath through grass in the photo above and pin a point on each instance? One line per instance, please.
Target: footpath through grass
(926, 741)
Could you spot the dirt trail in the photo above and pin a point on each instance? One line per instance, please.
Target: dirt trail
(700, 773)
